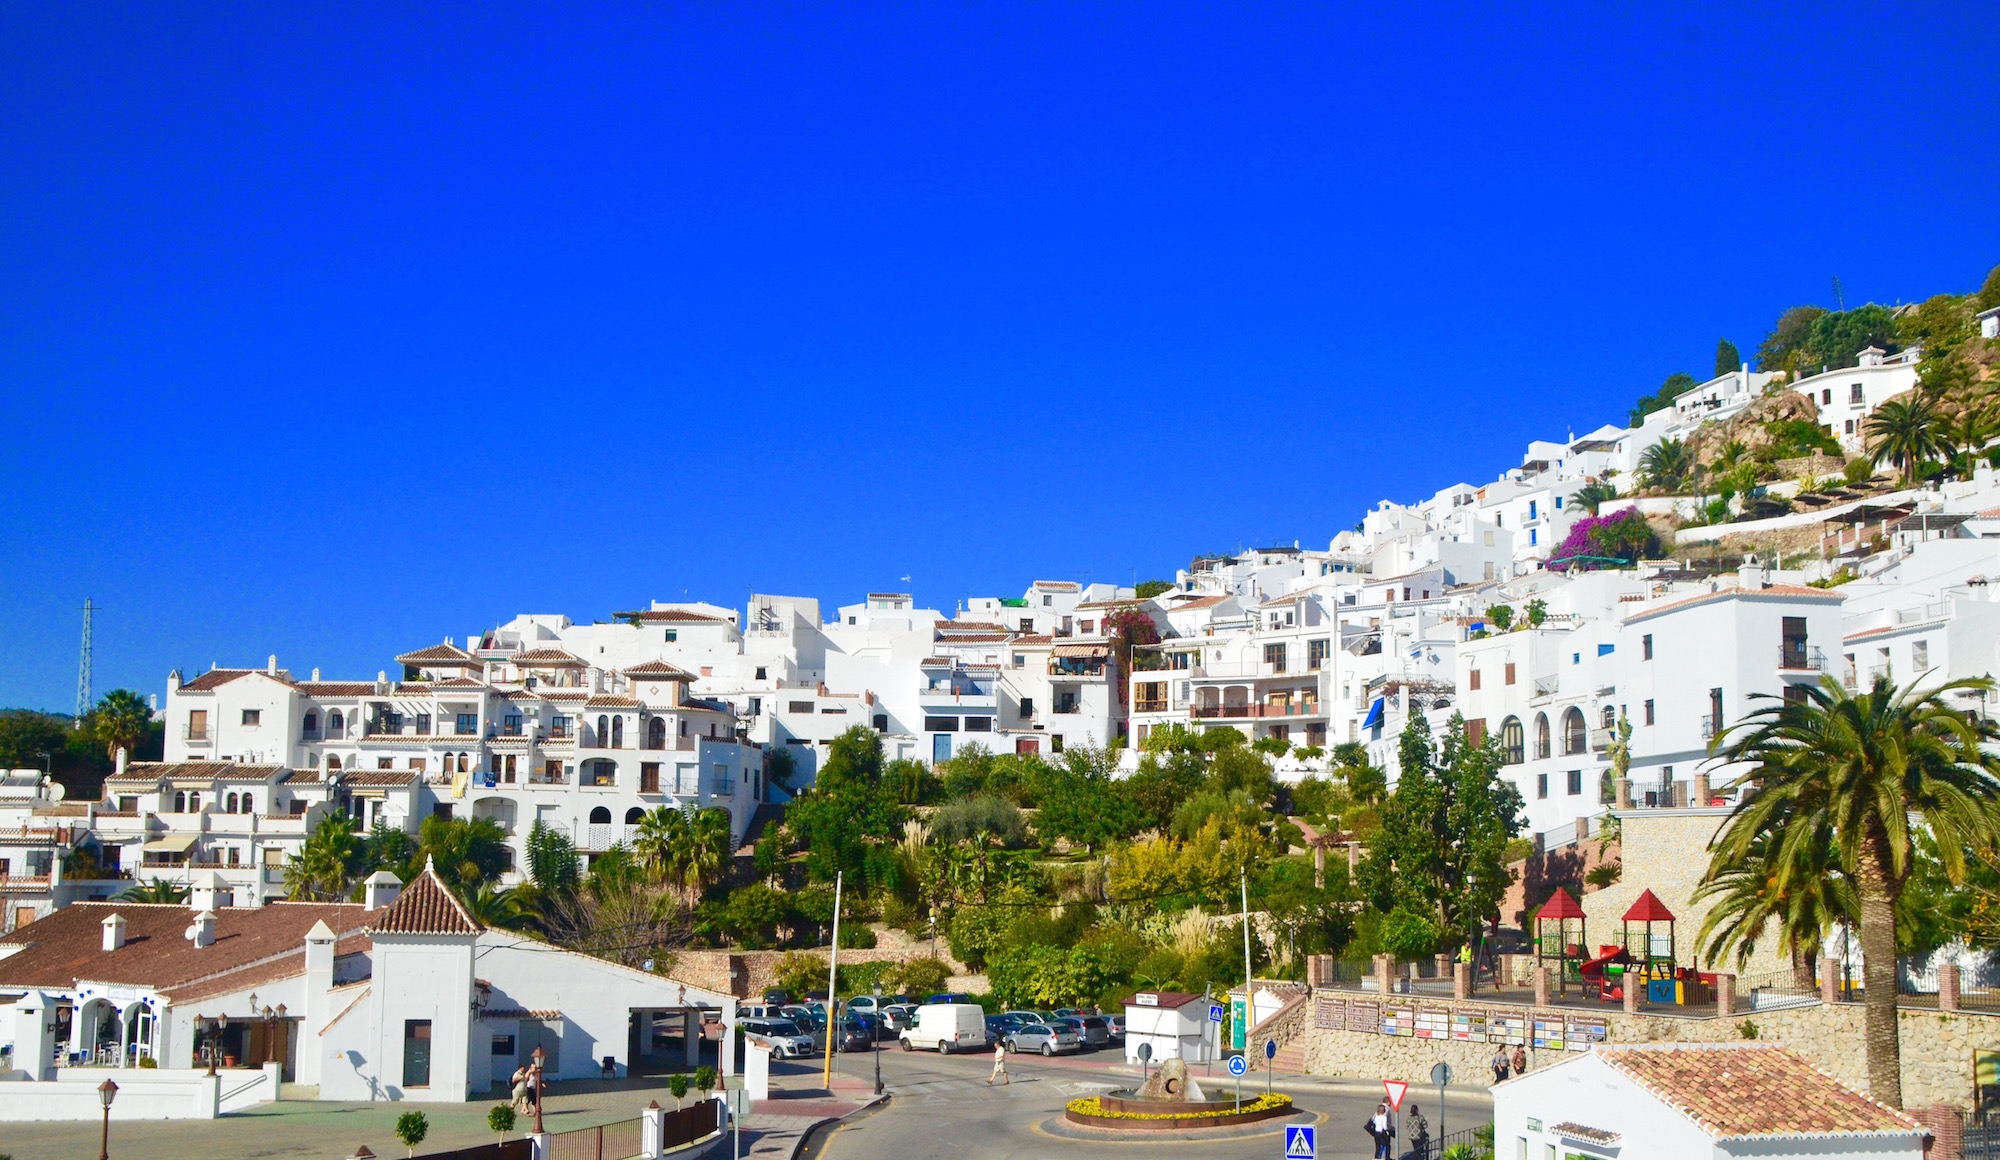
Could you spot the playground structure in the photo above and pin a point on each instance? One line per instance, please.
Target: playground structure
(1643, 957)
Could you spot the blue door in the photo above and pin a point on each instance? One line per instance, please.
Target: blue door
(940, 748)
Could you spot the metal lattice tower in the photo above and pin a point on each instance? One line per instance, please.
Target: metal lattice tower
(83, 667)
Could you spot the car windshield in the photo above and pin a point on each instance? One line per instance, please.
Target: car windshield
(784, 1027)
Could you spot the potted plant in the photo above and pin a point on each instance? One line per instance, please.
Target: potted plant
(704, 1080)
(501, 1119)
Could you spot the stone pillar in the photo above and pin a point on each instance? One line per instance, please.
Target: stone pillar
(1443, 966)
(1384, 966)
(540, 1142)
(1700, 794)
(1948, 986)
(1623, 793)
(1319, 865)
(1633, 985)
(725, 1051)
(652, 1130)
(1829, 981)
(1725, 994)
(1461, 981)
(1544, 982)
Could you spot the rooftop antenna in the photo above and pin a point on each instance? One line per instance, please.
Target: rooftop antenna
(83, 667)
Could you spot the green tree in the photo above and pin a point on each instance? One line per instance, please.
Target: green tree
(1086, 809)
(1940, 324)
(1727, 358)
(1147, 589)
(980, 822)
(509, 908)
(158, 890)
(500, 1120)
(411, 1128)
(1668, 465)
(780, 767)
(1161, 783)
(1501, 617)
(1677, 384)
(1871, 768)
(1908, 433)
(1782, 349)
(1989, 291)
(1837, 339)
(121, 720)
(551, 858)
(1751, 893)
(465, 851)
(1594, 495)
(325, 866)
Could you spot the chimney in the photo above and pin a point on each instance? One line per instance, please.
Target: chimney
(118, 769)
(209, 891)
(379, 890)
(271, 665)
(114, 932)
(315, 673)
(381, 682)
(174, 681)
(202, 932)
(153, 702)
(1750, 577)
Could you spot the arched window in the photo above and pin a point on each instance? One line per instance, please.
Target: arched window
(600, 816)
(333, 762)
(1510, 740)
(336, 723)
(618, 732)
(633, 815)
(180, 801)
(603, 728)
(247, 804)
(232, 804)
(194, 801)
(1574, 739)
(1541, 735)
(656, 733)
(312, 723)
(1610, 717)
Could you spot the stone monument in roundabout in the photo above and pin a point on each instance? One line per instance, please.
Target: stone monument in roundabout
(1172, 1101)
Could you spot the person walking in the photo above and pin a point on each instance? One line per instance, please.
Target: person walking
(1499, 1064)
(1383, 1131)
(1520, 1060)
(1420, 1133)
(520, 1082)
(999, 1064)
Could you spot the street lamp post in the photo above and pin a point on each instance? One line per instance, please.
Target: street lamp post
(106, 1092)
(216, 1026)
(875, 1040)
(538, 1057)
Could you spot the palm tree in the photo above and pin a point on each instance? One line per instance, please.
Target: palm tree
(706, 852)
(659, 839)
(158, 890)
(1908, 433)
(1752, 894)
(1860, 769)
(1667, 464)
(510, 908)
(122, 718)
(1594, 495)
(324, 867)
(1967, 436)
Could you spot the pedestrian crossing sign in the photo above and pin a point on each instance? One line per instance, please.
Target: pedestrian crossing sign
(1300, 1143)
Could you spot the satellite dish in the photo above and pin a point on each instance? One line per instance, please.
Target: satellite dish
(56, 791)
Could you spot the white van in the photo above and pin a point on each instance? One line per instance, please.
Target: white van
(947, 1027)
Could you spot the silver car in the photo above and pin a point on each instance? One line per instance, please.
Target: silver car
(782, 1036)
(1047, 1038)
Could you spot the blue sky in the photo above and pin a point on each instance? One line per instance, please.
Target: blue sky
(330, 330)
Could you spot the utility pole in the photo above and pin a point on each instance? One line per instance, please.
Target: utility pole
(83, 667)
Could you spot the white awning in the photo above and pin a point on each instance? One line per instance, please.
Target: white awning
(172, 843)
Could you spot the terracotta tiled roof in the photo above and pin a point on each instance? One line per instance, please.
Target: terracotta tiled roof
(148, 772)
(562, 694)
(611, 701)
(1745, 1090)
(336, 688)
(974, 637)
(426, 906)
(1059, 585)
(380, 776)
(1198, 603)
(68, 944)
(659, 670)
(970, 626)
(542, 658)
(458, 683)
(1030, 638)
(1775, 591)
(273, 970)
(938, 663)
(438, 654)
(669, 616)
(1576, 1131)
(498, 1013)
(216, 678)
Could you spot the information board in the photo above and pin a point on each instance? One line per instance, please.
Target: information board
(1329, 1014)
(1583, 1031)
(1399, 1020)
(1545, 1033)
(1502, 1027)
(1364, 1015)
(1469, 1024)
(1433, 1022)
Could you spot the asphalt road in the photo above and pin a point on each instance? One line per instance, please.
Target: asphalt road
(941, 1106)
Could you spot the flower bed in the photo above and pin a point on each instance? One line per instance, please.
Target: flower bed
(1090, 1111)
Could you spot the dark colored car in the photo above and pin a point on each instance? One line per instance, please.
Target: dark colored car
(777, 998)
(855, 1035)
(950, 997)
(1095, 1030)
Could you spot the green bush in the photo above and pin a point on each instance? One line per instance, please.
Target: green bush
(411, 1128)
(855, 937)
(500, 1119)
(1858, 471)
(704, 1080)
(1408, 934)
(921, 977)
(677, 1083)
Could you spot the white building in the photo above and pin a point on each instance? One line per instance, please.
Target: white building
(1174, 1024)
(1678, 1102)
(1846, 398)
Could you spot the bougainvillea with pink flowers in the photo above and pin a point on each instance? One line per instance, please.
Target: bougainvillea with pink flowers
(1625, 536)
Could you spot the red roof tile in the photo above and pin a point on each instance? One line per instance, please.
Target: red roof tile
(68, 944)
(426, 906)
(1649, 908)
(659, 670)
(438, 654)
(1735, 1091)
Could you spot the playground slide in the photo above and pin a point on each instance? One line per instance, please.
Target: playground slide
(1592, 970)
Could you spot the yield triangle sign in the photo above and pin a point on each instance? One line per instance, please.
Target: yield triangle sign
(1299, 1143)
(1395, 1088)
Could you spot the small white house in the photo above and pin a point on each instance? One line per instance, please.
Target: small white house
(1682, 1101)
(1174, 1022)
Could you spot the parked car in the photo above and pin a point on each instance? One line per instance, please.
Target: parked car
(1094, 1030)
(1078, 1012)
(946, 1027)
(1117, 1025)
(949, 997)
(780, 1035)
(1027, 1016)
(777, 998)
(855, 1034)
(899, 1017)
(1047, 1038)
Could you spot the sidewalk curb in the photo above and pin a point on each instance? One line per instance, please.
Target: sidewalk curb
(805, 1137)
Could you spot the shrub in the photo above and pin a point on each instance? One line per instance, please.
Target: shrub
(411, 1128)
(923, 976)
(1858, 471)
(677, 1083)
(148, 1061)
(1747, 1029)
(704, 1080)
(500, 1119)
(1408, 934)
(800, 973)
(855, 937)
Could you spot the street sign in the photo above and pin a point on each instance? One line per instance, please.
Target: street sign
(1270, 1049)
(1395, 1088)
(1145, 1052)
(1441, 1074)
(1237, 1067)
(1215, 1012)
(1301, 1143)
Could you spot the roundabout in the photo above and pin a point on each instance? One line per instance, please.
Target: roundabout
(1170, 1103)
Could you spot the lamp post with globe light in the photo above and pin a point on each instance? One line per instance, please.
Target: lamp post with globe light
(875, 1039)
(106, 1092)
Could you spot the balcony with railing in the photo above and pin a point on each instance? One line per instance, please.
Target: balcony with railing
(1710, 726)
(1150, 706)
(1279, 709)
(196, 734)
(1795, 657)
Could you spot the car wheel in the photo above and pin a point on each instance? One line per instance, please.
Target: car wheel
(906, 1046)
(944, 1048)
(1048, 1049)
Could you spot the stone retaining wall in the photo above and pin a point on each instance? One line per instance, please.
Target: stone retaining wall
(1936, 1048)
(748, 974)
